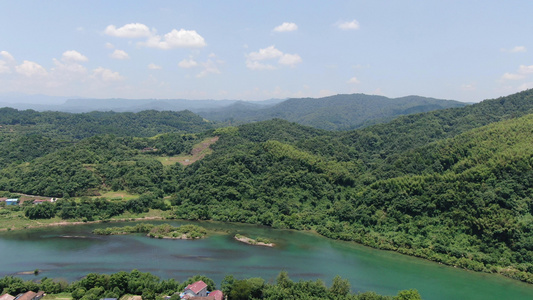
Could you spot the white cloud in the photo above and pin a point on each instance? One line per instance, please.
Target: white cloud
(378, 91)
(72, 56)
(286, 27)
(210, 67)
(176, 39)
(5, 62)
(109, 45)
(4, 68)
(132, 30)
(523, 72)
(511, 76)
(354, 80)
(31, 69)
(255, 65)
(525, 69)
(516, 49)
(119, 54)
(290, 59)
(66, 73)
(154, 67)
(266, 53)
(349, 25)
(67, 68)
(6, 56)
(468, 87)
(187, 63)
(325, 93)
(106, 75)
(526, 86)
(254, 59)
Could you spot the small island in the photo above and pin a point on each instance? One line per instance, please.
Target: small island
(163, 231)
(256, 242)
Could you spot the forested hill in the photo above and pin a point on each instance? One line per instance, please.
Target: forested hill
(78, 126)
(452, 186)
(461, 196)
(417, 130)
(26, 135)
(339, 112)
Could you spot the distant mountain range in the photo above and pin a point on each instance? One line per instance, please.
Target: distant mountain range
(339, 112)
(81, 105)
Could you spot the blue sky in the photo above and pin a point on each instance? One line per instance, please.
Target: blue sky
(255, 50)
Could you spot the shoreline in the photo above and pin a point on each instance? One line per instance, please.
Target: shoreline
(250, 241)
(501, 271)
(67, 223)
(182, 237)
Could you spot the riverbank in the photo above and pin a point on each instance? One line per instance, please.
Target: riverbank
(304, 254)
(20, 222)
(17, 220)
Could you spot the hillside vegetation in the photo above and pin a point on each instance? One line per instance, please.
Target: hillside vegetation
(118, 285)
(453, 186)
(78, 126)
(339, 112)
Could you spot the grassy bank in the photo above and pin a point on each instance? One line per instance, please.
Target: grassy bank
(16, 220)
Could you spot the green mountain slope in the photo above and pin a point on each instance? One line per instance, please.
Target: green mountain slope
(453, 186)
(339, 112)
(464, 201)
(381, 141)
(78, 126)
(25, 135)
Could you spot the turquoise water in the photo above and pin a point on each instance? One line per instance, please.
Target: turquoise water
(71, 252)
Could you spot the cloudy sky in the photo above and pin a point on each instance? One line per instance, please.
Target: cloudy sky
(254, 50)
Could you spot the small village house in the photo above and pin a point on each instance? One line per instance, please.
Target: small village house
(198, 291)
(216, 294)
(40, 201)
(30, 296)
(12, 202)
(7, 297)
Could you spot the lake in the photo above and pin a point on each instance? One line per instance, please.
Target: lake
(71, 252)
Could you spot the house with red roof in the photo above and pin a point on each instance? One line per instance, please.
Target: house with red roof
(7, 297)
(216, 294)
(30, 295)
(197, 289)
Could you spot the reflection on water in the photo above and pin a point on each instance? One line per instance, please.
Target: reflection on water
(73, 251)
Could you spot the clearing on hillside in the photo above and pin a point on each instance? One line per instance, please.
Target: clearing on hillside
(198, 152)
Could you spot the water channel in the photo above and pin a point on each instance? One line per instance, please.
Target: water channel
(71, 252)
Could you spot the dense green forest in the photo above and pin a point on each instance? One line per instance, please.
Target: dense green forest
(78, 126)
(28, 134)
(339, 112)
(452, 186)
(97, 286)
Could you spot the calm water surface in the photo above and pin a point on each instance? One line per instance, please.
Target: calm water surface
(71, 252)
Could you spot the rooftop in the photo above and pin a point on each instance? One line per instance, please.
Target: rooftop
(217, 295)
(196, 287)
(7, 297)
